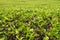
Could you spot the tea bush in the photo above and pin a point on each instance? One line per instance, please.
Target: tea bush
(29, 24)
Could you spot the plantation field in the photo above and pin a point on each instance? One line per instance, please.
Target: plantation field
(30, 3)
(29, 19)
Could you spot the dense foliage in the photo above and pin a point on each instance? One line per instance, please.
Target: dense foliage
(29, 24)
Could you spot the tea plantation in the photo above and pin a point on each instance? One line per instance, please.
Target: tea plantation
(29, 19)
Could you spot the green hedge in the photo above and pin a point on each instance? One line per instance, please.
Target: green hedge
(29, 24)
